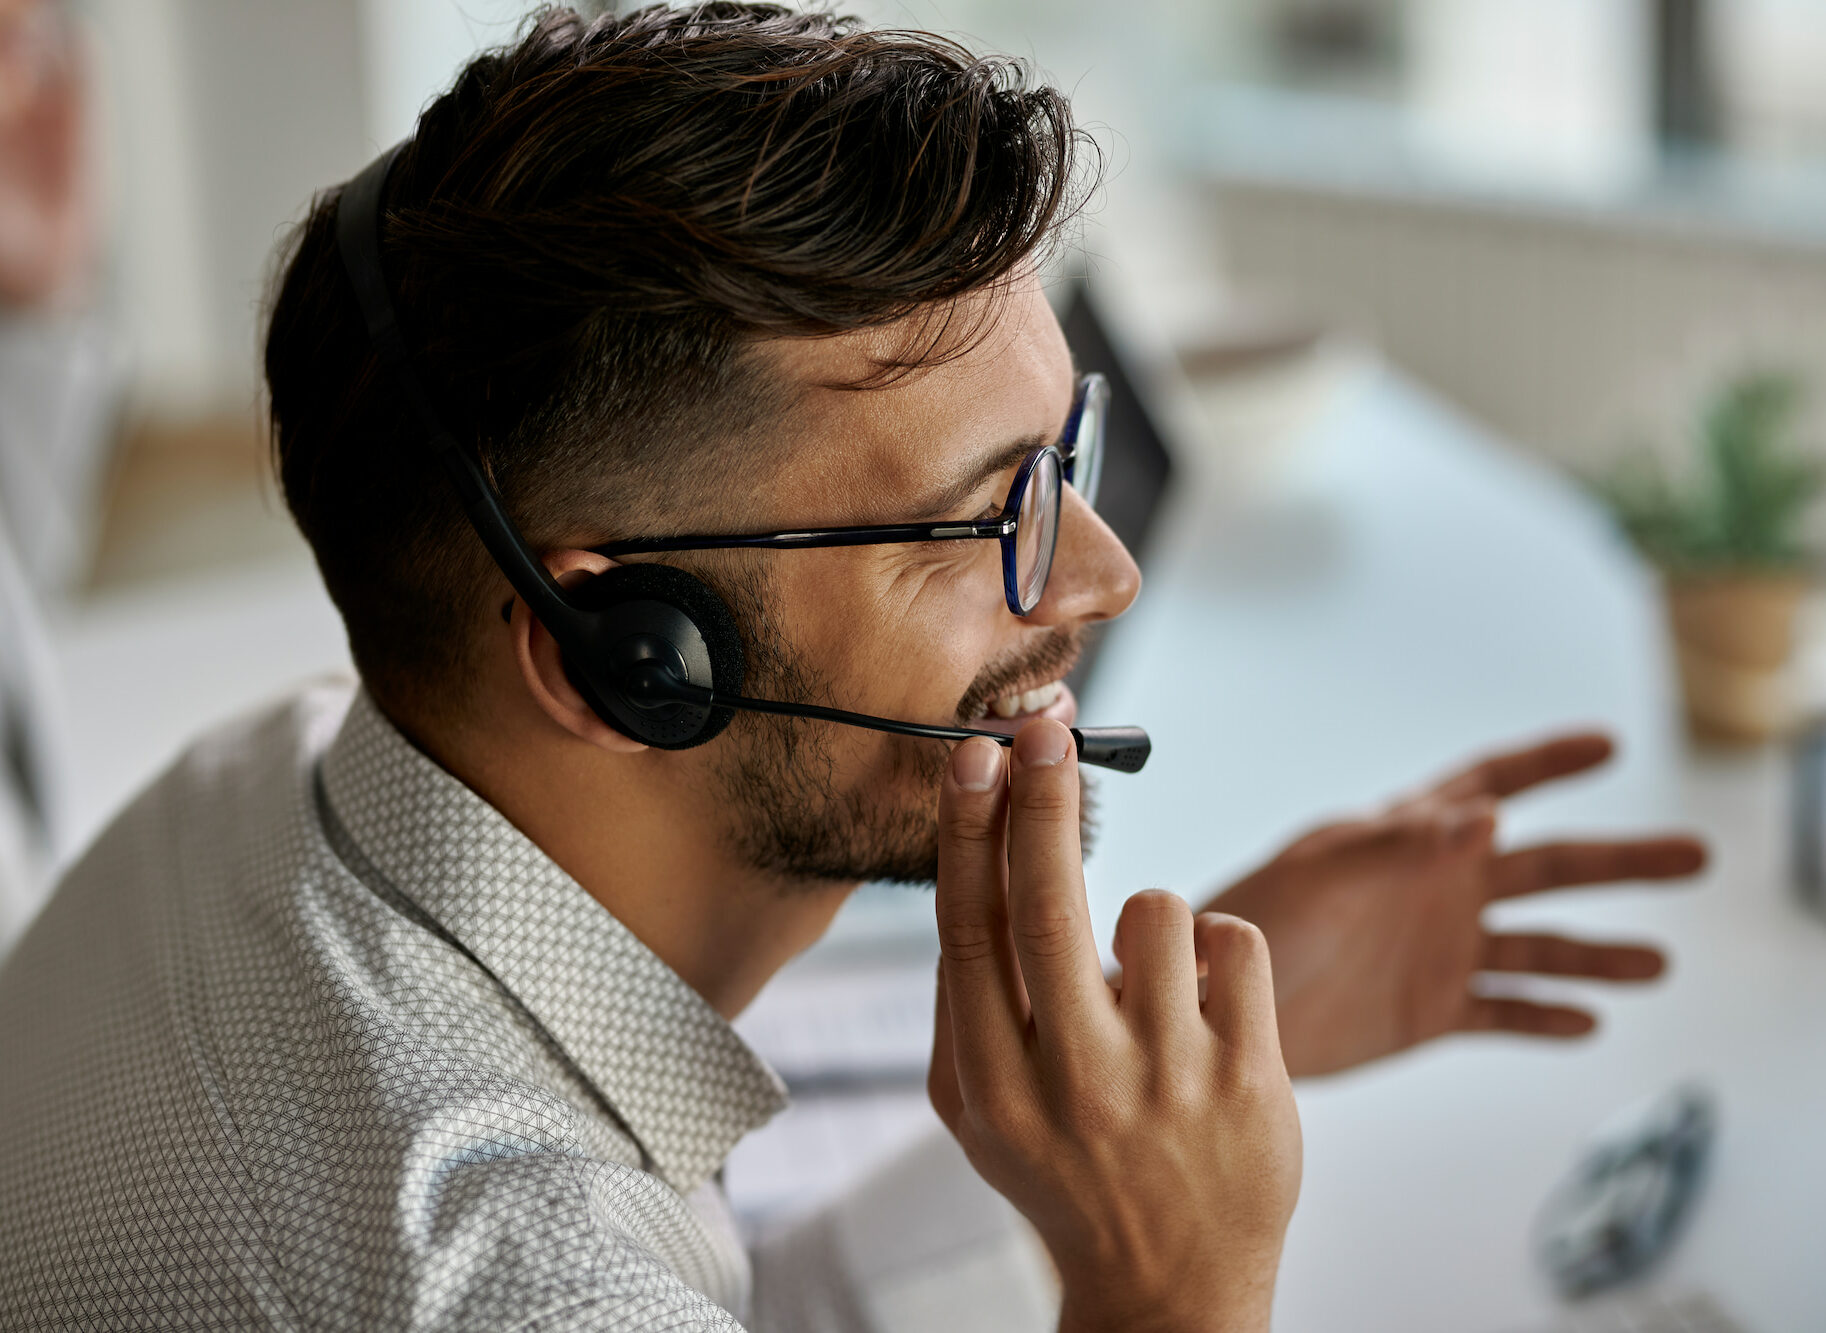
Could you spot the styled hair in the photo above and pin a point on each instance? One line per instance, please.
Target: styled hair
(587, 239)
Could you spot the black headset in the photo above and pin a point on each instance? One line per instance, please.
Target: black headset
(653, 650)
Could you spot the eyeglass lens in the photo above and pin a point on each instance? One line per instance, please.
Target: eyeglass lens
(1037, 530)
(1087, 445)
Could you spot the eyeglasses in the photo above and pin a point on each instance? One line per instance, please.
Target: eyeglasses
(1027, 528)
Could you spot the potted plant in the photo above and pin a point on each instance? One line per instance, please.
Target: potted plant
(1728, 542)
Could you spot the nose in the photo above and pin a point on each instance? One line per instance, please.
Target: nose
(1093, 575)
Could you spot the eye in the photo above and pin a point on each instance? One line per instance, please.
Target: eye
(999, 509)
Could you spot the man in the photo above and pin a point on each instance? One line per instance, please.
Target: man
(411, 1009)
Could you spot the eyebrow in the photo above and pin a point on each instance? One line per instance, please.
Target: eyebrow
(945, 503)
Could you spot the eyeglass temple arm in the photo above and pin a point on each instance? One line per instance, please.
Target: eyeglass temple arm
(883, 535)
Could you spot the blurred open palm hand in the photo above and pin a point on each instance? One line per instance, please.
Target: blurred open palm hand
(1375, 926)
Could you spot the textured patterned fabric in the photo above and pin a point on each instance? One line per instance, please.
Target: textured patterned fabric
(314, 1038)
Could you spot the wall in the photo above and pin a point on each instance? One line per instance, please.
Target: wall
(219, 120)
(1572, 335)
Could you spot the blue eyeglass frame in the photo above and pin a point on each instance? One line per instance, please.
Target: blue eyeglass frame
(1091, 388)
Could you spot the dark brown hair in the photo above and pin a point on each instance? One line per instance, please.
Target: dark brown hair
(586, 239)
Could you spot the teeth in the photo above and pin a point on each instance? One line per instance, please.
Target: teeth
(1026, 701)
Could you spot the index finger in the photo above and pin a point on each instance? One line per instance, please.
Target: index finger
(1047, 912)
(980, 979)
(1511, 771)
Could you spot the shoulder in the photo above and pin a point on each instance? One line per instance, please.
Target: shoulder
(245, 757)
(241, 1070)
(221, 806)
(549, 1241)
(245, 774)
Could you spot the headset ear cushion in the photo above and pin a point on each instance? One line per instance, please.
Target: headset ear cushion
(690, 594)
(710, 619)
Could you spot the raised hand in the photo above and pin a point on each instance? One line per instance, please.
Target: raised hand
(1150, 1138)
(1376, 926)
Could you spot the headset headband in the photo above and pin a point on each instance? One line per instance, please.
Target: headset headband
(358, 226)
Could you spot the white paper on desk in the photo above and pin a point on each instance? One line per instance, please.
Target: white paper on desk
(921, 1244)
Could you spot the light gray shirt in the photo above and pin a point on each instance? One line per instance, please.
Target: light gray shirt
(313, 1037)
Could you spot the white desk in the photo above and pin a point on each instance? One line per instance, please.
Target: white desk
(1405, 592)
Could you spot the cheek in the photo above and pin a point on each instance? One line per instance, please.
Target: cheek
(897, 638)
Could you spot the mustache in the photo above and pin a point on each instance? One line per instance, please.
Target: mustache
(1053, 657)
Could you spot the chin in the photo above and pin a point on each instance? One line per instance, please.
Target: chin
(789, 821)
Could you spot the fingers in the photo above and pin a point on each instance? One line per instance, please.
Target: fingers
(1159, 966)
(1553, 955)
(1239, 1004)
(972, 907)
(1047, 912)
(1557, 956)
(1514, 771)
(1487, 1013)
(1558, 865)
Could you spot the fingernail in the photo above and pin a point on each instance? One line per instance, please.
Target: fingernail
(1041, 744)
(976, 765)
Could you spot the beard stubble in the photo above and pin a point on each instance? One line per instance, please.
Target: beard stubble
(785, 812)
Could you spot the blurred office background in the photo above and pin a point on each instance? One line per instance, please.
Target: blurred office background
(1396, 275)
(1563, 215)
(1568, 217)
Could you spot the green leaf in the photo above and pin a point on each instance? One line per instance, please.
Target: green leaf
(1749, 497)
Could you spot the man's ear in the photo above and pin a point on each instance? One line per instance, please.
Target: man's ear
(542, 663)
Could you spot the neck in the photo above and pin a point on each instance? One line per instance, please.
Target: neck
(635, 843)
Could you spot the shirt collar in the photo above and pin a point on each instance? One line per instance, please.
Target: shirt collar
(685, 1084)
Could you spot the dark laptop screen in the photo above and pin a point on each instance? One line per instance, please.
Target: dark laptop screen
(1137, 466)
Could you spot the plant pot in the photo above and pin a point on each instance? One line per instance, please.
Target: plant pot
(1734, 638)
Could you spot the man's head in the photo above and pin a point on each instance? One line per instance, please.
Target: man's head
(724, 269)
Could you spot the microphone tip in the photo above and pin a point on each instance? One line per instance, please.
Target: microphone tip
(1124, 749)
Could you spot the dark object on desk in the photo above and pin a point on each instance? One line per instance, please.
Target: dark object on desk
(1626, 1200)
(1137, 465)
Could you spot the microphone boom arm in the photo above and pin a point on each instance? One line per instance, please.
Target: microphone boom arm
(1124, 749)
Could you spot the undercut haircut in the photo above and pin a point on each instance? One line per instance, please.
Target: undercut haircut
(588, 239)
